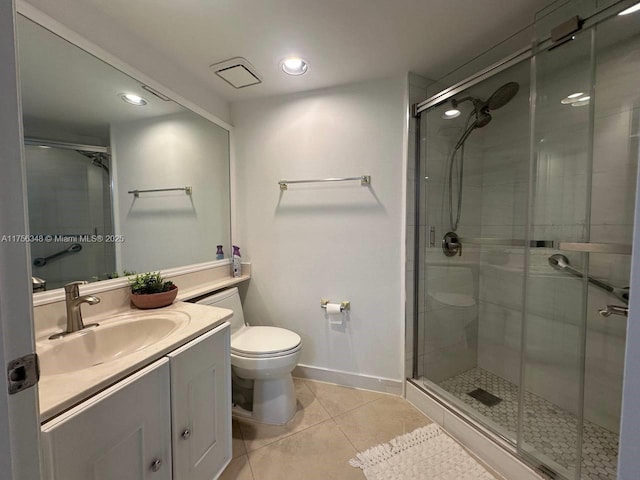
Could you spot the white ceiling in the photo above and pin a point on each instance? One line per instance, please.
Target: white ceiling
(66, 89)
(343, 40)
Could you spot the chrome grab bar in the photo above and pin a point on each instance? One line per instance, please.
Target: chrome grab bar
(42, 261)
(561, 263)
(614, 310)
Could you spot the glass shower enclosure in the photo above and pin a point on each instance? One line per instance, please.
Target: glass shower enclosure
(70, 202)
(526, 194)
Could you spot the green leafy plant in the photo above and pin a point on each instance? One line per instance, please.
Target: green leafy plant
(149, 283)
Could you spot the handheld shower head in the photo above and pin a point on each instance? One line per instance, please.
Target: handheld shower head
(480, 110)
(482, 119)
(482, 113)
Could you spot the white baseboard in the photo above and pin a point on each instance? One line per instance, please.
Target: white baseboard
(492, 453)
(348, 379)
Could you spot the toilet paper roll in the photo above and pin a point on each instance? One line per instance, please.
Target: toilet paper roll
(333, 309)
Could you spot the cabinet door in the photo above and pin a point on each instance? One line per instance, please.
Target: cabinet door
(201, 406)
(116, 435)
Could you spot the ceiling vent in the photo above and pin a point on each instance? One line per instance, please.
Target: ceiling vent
(237, 72)
(161, 96)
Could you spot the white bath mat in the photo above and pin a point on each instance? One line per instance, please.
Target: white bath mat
(424, 454)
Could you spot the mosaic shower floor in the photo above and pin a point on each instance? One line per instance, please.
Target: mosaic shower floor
(547, 428)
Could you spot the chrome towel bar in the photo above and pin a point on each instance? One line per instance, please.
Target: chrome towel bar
(188, 190)
(364, 180)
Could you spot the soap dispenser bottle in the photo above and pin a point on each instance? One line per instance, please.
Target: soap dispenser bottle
(237, 266)
(219, 253)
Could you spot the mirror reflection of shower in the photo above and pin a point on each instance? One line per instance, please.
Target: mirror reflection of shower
(479, 117)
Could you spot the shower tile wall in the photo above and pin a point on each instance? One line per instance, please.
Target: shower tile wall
(504, 201)
(68, 195)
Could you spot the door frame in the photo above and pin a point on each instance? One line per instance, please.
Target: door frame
(19, 413)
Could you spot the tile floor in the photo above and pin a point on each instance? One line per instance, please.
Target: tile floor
(331, 425)
(549, 429)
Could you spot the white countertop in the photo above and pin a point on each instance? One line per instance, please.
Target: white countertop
(209, 287)
(62, 391)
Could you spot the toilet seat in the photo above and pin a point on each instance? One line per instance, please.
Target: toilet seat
(264, 342)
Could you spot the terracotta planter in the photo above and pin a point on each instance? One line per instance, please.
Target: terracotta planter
(155, 300)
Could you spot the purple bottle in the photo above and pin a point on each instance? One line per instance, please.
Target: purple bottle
(219, 253)
(237, 266)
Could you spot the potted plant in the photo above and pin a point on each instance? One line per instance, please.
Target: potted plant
(150, 290)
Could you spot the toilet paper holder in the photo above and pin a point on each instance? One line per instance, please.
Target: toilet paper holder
(346, 305)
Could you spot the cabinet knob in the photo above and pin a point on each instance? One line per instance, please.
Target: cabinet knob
(156, 464)
(186, 434)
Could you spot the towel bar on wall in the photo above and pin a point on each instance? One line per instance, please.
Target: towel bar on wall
(364, 180)
(188, 190)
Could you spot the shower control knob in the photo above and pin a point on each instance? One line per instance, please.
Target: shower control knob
(156, 465)
(451, 245)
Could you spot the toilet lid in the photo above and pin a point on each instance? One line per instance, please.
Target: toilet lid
(264, 340)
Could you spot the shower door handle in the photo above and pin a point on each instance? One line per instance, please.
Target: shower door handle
(614, 310)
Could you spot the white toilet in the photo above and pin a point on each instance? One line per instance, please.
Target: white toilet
(262, 359)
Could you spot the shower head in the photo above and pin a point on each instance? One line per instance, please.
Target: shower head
(502, 96)
(498, 99)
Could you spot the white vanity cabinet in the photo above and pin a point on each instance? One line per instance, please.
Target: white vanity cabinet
(201, 407)
(169, 421)
(122, 433)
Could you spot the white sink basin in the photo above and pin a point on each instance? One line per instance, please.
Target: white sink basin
(113, 339)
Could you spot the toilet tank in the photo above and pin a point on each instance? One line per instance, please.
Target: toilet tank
(227, 299)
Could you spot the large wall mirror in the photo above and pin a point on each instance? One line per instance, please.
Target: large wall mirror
(94, 137)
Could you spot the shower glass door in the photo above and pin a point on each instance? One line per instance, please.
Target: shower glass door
(553, 352)
(471, 308)
(584, 185)
(520, 329)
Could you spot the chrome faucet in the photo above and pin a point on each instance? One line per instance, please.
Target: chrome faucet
(74, 315)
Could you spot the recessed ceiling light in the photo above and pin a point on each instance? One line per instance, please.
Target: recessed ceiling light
(294, 66)
(573, 98)
(631, 9)
(452, 113)
(582, 101)
(133, 99)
